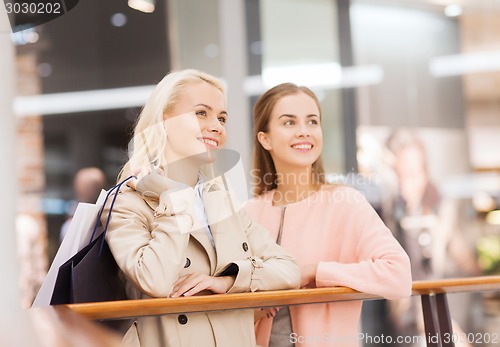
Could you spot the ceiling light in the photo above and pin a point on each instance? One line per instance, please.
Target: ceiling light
(465, 63)
(147, 6)
(118, 19)
(453, 10)
(311, 75)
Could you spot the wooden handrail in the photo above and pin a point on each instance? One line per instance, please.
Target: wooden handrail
(160, 306)
(457, 285)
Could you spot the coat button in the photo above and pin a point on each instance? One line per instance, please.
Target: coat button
(183, 319)
(188, 263)
(245, 246)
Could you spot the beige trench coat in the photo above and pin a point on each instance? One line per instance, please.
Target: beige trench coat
(145, 238)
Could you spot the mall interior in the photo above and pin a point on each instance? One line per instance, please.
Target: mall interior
(385, 71)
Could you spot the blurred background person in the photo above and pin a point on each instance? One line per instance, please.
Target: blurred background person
(87, 185)
(427, 223)
(430, 228)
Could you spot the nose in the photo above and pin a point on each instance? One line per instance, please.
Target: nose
(303, 131)
(215, 126)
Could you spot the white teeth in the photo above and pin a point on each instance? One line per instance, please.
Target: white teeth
(302, 146)
(209, 142)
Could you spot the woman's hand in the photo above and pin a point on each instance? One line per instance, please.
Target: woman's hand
(308, 276)
(260, 313)
(191, 284)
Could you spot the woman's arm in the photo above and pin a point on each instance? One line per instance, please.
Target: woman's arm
(149, 251)
(382, 267)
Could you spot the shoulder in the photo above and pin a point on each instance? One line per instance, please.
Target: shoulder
(257, 204)
(127, 199)
(342, 192)
(128, 194)
(261, 200)
(338, 196)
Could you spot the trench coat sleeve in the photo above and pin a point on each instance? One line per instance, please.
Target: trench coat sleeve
(150, 251)
(269, 268)
(382, 267)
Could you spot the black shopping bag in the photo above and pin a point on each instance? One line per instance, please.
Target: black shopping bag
(89, 276)
(92, 274)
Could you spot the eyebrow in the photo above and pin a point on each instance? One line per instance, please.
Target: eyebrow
(210, 108)
(204, 105)
(294, 116)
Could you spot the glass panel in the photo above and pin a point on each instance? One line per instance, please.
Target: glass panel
(304, 49)
(194, 35)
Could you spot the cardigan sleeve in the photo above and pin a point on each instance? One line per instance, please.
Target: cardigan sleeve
(382, 267)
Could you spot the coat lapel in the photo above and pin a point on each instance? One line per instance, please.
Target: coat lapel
(221, 219)
(215, 200)
(202, 237)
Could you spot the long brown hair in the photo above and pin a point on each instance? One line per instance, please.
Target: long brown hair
(264, 172)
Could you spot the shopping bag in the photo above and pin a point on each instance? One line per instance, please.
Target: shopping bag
(92, 274)
(78, 235)
(89, 276)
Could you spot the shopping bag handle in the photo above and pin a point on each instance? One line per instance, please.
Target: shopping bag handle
(115, 188)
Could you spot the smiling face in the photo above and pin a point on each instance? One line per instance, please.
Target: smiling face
(196, 124)
(294, 137)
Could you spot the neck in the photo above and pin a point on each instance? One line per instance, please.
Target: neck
(293, 185)
(184, 171)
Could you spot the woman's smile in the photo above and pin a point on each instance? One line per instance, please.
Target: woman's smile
(302, 147)
(210, 142)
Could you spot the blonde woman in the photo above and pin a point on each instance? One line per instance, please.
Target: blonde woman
(175, 230)
(335, 235)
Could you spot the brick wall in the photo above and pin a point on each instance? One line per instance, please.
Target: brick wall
(32, 244)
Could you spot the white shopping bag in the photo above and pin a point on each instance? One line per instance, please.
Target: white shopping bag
(78, 236)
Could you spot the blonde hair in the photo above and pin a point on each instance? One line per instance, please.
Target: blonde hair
(263, 164)
(148, 143)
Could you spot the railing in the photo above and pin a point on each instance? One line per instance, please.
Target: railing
(433, 293)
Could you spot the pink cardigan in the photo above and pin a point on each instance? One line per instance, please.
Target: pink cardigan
(338, 229)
